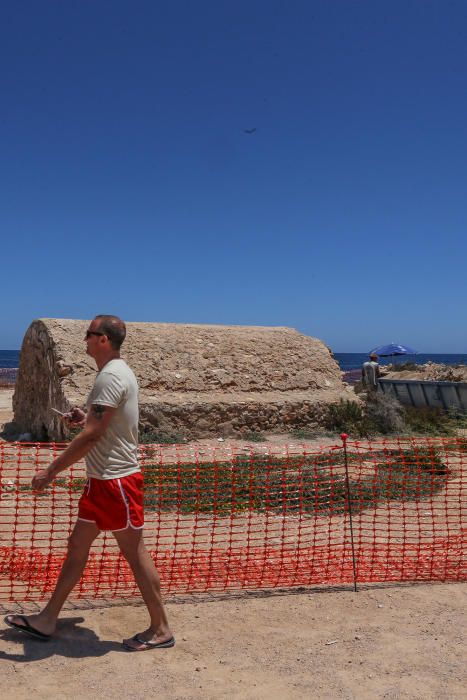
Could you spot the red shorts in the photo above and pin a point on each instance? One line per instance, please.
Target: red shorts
(113, 504)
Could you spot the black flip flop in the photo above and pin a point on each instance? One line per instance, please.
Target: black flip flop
(150, 645)
(26, 628)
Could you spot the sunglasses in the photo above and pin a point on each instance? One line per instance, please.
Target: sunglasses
(90, 333)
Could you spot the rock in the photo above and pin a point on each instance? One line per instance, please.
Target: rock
(199, 381)
(430, 371)
(64, 370)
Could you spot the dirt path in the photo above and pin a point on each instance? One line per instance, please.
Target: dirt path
(392, 643)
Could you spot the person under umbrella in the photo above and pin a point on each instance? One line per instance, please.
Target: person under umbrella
(393, 350)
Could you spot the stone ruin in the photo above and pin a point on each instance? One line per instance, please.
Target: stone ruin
(195, 380)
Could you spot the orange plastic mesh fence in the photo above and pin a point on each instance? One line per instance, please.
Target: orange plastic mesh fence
(254, 518)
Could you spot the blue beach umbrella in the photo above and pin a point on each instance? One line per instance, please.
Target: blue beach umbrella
(393, 349)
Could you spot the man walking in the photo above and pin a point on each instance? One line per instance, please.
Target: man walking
(113, 496)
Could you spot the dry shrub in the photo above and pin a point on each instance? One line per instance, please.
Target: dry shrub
(384, 414)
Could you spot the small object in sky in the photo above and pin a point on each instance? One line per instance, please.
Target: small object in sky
(249, 131)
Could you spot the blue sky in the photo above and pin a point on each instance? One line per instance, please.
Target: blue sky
(129, 186)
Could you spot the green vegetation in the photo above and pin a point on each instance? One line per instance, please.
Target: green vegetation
(459, 444)
(313, 484)
(298, 484)
(153, 437)
(380, 414)
(305, 434)
(347, 417)
(255, 437)
(71, 484)
(433, 421)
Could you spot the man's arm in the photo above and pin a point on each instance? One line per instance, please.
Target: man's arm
(97, 422)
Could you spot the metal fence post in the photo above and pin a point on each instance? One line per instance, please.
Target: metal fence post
(344, 437)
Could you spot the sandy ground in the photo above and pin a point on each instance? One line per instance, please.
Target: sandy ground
(391, 642)
(6, 410)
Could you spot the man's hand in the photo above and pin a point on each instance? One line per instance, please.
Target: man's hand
(42, 479)
(75, 418)
(95, 426)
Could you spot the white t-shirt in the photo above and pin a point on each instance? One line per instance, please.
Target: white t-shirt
(116, 453)
(370, 373)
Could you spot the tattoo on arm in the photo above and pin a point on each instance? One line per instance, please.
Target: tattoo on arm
(98, 411)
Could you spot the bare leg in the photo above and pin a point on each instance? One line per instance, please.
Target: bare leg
(133, 549)
(79, 544)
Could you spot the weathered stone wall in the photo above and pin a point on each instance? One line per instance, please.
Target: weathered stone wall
(194, 379)
(205, 419)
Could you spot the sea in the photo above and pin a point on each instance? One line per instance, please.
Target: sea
(355, 360)
(9, 360)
